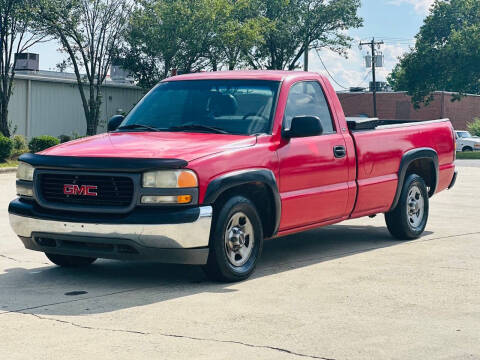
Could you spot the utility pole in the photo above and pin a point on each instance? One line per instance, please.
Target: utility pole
(305, 59)
(372, 45)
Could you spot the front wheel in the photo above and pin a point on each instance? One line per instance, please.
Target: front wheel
(69, 261)
(236, 241)
(409, 219)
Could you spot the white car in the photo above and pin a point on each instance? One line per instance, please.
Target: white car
(467, 142)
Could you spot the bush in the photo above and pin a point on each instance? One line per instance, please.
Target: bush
(6, 147)
(64, 138)
(19, 143)
(474, 127)
(41, 143)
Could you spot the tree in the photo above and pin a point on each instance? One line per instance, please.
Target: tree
(301, 25)
(16, 19)
(167, 34)
(89, 31)
(446, 54)
(474, 127)
(238, 30)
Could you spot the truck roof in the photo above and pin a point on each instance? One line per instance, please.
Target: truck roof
(273, 75)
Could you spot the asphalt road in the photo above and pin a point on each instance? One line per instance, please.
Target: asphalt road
(341, 292)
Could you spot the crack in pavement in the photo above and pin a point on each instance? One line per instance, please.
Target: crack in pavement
(177, 336)
(9, 258)
(23, 261)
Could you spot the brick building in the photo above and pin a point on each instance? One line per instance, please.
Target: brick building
(398, 106)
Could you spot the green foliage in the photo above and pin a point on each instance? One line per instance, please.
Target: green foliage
(474, 127)
(41, 143)
(193, 35)
(19, 146)
(6, 147)
(301, 24)
(64, 138)
(446, 54)
(19, 142)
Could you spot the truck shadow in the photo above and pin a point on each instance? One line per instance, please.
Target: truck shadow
(109, 285)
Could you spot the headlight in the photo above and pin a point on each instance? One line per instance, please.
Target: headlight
(170, 179)
(25, 171)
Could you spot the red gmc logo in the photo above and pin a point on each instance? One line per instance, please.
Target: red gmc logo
(83, 190)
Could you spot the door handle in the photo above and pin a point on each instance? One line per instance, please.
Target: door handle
(339, 152)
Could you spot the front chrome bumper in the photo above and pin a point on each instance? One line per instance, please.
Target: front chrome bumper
(171, 236)
(182, 242)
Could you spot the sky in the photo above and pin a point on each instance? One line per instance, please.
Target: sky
(396, 22)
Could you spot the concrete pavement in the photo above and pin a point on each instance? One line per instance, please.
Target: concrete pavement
(342, 292)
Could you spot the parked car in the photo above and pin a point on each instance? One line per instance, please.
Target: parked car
(209, 165)
(467, 142)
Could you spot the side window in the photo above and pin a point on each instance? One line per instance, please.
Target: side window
(307, 99)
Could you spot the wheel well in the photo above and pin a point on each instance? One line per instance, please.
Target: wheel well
(261, 196)
(467, 147)
(424, 168)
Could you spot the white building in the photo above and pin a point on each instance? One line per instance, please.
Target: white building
(49, 103)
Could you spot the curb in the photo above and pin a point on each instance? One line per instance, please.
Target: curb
(8, 170)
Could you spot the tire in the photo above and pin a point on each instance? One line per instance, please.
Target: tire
(236, 241)
(69, 261)
(409, 218)
(467, 149)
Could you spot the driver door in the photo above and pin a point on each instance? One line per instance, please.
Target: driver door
(313, 172)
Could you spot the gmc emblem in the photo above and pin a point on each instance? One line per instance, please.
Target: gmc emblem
(83, 190)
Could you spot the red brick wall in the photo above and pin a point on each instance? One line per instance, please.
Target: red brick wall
(399, 106)
(462, 112)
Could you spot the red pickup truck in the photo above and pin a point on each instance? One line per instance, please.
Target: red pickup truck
(208, 165)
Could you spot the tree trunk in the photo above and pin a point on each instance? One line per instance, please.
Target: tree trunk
(4, 129)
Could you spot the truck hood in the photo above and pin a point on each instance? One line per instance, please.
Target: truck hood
(152, 145)
(472, 139)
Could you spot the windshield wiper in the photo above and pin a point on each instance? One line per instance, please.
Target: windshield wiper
(198, 127)
(139, 126)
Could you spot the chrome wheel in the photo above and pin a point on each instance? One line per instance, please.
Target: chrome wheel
(239, 239)
(415, 207)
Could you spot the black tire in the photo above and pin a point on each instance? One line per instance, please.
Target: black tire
(219, 267)
(467, 149)
(69, 261)
(399, 221)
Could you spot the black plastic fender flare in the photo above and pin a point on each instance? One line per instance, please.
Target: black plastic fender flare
(407, 159)
(242, 177)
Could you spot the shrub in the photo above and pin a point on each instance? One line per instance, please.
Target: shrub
(19, 143)
(474, 127)
(64, 138)
(41, 143)
(6, 147)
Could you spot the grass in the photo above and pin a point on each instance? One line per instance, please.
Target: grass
(468, 155)
(9, 163)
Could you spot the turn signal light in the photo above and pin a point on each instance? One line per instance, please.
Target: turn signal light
(180, 199)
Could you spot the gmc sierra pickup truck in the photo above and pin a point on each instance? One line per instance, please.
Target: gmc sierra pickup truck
(208, 165)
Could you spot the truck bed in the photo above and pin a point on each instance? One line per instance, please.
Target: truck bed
(380, 146)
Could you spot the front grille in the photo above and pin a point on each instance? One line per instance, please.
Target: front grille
(113, 191)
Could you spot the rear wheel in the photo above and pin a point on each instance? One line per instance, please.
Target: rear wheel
(69, 261)
(409, 219)
(236, 241)
(467, 149)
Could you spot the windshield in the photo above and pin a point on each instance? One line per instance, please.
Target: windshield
(464, 134)
(242, 107)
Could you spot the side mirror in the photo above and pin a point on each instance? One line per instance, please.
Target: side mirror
(304, 126)
(115, 122)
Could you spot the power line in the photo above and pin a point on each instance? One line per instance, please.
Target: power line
(334, 80)
(328, 72)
